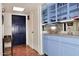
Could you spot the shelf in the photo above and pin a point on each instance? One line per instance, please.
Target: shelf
(72, 4)
(62, 6)
(7, 44)
(74, 10)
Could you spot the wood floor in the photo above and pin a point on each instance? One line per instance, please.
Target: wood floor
(23, 50)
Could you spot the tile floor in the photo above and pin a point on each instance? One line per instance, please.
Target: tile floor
(23, 50)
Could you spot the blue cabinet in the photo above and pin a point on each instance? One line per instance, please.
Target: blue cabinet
(53, 47)
(45, 45)
(62, 13)
(61, 46)
(45, 13)
(55, 12)
(52, 13)
(49, 13)
(73, 10)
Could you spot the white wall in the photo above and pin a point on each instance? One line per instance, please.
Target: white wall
(0, 29)
(35, 29)
(30, 30)
(40, 41)
(34, 25)
(7, 24)
(37, 35)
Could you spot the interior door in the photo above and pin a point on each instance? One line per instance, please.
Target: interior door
(18, 29)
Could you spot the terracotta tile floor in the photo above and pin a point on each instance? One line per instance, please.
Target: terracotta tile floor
(22, 50)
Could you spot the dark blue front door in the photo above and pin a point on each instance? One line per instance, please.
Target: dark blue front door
(18, 29)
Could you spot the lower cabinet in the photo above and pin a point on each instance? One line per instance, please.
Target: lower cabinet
(53, 49)
(45, 45)
(68, 50)
(60, 46)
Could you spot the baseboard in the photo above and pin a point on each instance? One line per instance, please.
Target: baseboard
(36, 51)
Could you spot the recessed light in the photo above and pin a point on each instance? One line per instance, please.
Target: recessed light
(18, 9)
(53, 28)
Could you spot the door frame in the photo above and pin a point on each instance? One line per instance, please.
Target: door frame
(26, 24)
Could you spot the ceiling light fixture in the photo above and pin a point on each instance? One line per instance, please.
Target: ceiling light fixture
(18, 9)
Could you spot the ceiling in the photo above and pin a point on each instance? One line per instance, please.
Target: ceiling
(8, 7)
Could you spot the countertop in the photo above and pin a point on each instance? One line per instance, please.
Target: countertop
(62, 35)
(69, 39)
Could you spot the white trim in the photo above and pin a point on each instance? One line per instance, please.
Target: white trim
(27, 31)
(67, 20)
(40, 47)
(38, 27)
(41, 30)
(32, 31)
(38, 31)
(18, 14)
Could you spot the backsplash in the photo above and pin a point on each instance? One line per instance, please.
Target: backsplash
(70, 30)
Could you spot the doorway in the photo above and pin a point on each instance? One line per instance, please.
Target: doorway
(18, 30)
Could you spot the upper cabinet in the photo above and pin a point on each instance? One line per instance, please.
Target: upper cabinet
(56, 12)
(73, 10)
(61, 11)
(52, 13)
(45, 13)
